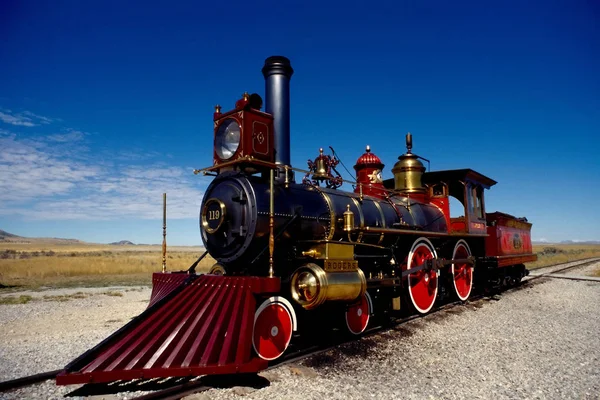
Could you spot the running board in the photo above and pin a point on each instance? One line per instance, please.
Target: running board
(195, 326)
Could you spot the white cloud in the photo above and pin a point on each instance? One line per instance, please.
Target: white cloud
(28, 171)
(16, 120)
(71, 135)
(39, 118)
(41, 179)
(24, 118)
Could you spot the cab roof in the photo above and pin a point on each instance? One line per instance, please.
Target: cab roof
(454, 175)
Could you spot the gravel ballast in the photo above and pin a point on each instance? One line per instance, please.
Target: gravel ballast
(538, 341)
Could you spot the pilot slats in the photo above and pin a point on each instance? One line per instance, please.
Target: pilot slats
(165, 283)
(204, 325)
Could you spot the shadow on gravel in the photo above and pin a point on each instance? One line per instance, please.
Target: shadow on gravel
(323, 360)
(530, 283)
(218, 381)
(403, 331)
(362, 348)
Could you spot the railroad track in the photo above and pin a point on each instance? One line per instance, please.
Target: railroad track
(176, 388)
(28, 380)
(539, 272)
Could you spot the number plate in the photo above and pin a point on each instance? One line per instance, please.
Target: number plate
(340, 265)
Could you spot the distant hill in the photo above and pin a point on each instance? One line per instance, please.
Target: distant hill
(6, 237)
(123, 243)
(592, 242)
(586, 242)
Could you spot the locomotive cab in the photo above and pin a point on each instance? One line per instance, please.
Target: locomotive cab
(465, 185)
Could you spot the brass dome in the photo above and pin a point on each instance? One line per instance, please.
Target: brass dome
(408, 171)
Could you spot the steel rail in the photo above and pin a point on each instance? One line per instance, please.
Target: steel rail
(28, 380)
(579, 263)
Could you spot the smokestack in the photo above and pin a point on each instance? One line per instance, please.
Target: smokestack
(278, 72)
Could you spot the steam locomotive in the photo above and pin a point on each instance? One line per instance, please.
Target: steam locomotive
(295, 252)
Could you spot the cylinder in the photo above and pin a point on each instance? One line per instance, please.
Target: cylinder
(311, 286)
(278, 72)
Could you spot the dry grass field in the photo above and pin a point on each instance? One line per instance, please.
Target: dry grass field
(40, 265)
(37, 265)
(549, 254)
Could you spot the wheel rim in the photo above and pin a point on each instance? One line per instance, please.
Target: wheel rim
(422, 285)
(357, 315)
(462, 273)
(273, 328)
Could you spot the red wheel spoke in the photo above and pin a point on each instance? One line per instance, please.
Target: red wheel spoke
(422, 285)
(462, 274)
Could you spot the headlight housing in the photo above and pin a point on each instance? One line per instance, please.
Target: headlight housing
(227, 139)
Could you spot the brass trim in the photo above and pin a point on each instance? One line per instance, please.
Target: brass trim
(337, 250)
(348, 220)
(239, 160)
(254, 123)
(311, 286)
(331, 212)
(301, 284)
(311, 253)
(378, 206)
(287, 178)
(361, 217)
(317, 242)
(331, 250)
(415, 232)
(221, 216)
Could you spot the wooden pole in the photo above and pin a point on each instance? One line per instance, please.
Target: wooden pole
(164, 243)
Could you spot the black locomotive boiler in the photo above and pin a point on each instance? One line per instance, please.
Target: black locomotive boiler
(293, 250)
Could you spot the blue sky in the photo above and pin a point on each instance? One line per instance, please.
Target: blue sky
(105, 105)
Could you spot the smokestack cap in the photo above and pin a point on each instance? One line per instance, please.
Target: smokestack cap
(277, 65)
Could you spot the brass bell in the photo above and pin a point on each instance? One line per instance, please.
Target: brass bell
(321, 167)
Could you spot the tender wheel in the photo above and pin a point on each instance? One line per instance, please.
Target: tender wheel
(423, 284)
(357, 315)
(274, 322)
(462, 273)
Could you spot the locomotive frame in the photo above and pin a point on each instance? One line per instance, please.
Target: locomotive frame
(303, 257)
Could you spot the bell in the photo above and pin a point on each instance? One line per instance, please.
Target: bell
(321, 167)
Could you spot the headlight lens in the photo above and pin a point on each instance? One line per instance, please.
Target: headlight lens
(227, 139)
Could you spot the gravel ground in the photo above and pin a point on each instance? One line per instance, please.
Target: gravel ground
(57, 326)
(540, 341)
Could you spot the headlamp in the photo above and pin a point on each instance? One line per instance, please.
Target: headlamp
(227, 139)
